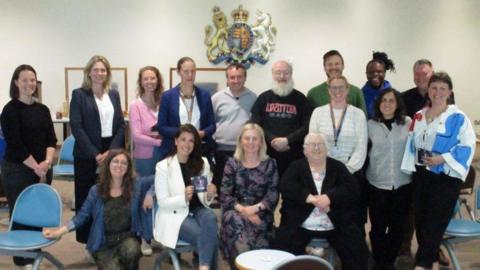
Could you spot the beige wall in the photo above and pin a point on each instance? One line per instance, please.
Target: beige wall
(52, 34)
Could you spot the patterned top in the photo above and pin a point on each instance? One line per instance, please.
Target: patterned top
(249, 186)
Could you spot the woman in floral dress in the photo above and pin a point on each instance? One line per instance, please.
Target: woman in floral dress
(248, 196)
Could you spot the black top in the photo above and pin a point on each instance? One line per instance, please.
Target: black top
(117, 219)
(28, 130)
(414, 101)
(287, 116)
(388, 123)
(194, 202)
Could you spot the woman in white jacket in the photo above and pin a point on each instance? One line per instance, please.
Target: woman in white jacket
(184, 191)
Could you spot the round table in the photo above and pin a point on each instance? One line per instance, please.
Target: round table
(261, 259)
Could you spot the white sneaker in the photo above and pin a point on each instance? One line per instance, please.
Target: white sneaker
(146, 248)
(89, 257)
(28, 267)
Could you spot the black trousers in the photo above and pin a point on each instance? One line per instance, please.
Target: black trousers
(85, 177)
(435, 196)
(347, 241)
(221, 158)
(16, 178)
(388, 210)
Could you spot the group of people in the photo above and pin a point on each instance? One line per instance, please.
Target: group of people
(191, 150)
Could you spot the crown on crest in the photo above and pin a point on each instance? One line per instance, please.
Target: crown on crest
(240, 14)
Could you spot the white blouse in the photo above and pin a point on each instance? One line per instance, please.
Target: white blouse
(105, 111)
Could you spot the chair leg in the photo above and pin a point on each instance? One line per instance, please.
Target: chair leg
(38, 260)
(165, 254)
(175, 261)
(451, 254)
(54, 261)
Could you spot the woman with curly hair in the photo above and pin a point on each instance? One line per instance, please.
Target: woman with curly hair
(376, 82)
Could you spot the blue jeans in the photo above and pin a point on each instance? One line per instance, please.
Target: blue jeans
(200, 229)
(145, 166)
(144, 225)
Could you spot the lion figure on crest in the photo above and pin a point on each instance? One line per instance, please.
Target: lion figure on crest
(217, 42)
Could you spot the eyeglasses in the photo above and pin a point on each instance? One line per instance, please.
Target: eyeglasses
(338, 88)
(315, 145)
(120, 162)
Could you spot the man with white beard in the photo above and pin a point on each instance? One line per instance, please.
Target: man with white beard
(284, 114)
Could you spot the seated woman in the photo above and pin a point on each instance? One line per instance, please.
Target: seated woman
(110, 204)
(319, 196)
(184, 192)
(249, 196)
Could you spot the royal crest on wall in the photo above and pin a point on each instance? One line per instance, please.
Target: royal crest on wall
(240, 42)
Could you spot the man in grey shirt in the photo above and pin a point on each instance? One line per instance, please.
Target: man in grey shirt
(232, 108)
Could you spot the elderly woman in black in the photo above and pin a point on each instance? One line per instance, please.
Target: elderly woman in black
(319, 197)
(30, 137)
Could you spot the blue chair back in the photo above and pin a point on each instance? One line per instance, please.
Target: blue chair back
(66, 153)
(38, 205)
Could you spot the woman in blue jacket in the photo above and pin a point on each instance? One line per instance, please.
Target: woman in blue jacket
(186, 104)
(111, 205)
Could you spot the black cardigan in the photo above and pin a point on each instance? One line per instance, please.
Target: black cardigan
(297, 183)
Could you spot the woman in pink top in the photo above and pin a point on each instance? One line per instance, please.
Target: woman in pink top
(143, 120)
(145, 141)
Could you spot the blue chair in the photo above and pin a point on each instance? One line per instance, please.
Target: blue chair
(462, 230)
(304, 262)
(321, 244)
(38, 205)
(64, 165)
(182, 247)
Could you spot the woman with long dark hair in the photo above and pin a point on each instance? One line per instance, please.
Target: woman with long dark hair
(110, 205)
(184, 192)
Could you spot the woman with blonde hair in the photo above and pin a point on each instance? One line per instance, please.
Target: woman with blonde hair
(97, 124)
(248, 195)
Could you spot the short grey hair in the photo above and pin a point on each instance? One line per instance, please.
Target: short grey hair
(306, 140)
(423, 61)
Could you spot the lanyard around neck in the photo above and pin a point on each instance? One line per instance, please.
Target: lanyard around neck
(189, 110)
(336, 131)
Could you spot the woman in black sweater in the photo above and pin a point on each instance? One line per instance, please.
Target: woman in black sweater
(30, 137)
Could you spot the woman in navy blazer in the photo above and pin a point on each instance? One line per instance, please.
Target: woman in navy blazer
(97, 124)
(186, 103)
